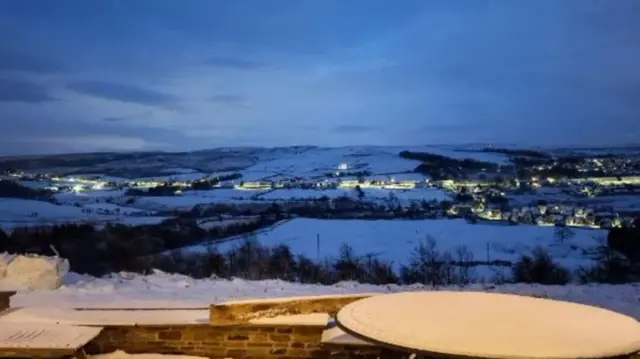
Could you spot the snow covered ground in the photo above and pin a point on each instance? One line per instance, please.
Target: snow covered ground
(183, 176)
(403, 195)
(159, 290)
(394, 240)
(111, 208)
(18, 209)
(191, 198)
(96, 196)
(317, 161)
(23, 212)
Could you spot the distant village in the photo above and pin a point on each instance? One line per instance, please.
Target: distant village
(506, 196)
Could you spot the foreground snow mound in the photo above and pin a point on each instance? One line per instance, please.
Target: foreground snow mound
(122, 355)
(33, 272)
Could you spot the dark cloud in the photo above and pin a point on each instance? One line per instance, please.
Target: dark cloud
(125, 93)
(115, 119)
(42, 134)
(233, 63)
(14, 90)
(229, 99)
(127, 117)
(353, 129)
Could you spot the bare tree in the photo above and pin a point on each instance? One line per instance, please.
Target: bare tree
(464, 259)
(428, 265)
(562, 234)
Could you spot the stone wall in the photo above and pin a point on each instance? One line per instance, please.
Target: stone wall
(216, 342)
(240, 312)
(238, 342)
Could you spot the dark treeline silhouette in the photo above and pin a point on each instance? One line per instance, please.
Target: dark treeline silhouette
(118, 248)
(442, 167)
(337, 208)
(157, 191)
(426, 264)
(210, 183)
(251, 260)
(114, 247)
(626, 241)
(12, 189)
(518, 152)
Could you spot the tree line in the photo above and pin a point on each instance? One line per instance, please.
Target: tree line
(427, 264)
(142, 249)
(99, 250)
(442, 167)
(13, 189)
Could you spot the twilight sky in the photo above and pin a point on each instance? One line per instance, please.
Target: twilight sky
(89, 75)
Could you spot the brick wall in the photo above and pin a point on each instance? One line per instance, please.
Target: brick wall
(238, 342)
(216, 342)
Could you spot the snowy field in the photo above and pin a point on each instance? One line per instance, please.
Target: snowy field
(191, 198)
(22, 212)
(394, 240)
(417, 194)
(319, 161)
(184, 176)
(111, 208)
(161, 290)
(88, 196)
(316, 162)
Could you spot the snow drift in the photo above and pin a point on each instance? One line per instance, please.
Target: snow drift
(31, 272)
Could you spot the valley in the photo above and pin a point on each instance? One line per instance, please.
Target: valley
(490, 206)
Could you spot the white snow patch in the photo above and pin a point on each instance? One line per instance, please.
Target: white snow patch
(34, 272)
(394, 240)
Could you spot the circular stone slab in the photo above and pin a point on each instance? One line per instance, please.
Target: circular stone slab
(490, 325)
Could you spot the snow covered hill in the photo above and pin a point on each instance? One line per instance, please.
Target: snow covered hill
(253, 163)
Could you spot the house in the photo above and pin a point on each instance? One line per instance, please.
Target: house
(255, 185)
(348, 183)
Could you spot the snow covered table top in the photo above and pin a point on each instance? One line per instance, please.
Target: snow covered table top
(42, 336)
(490, 325)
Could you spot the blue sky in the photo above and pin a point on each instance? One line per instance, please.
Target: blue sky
(78, 75)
